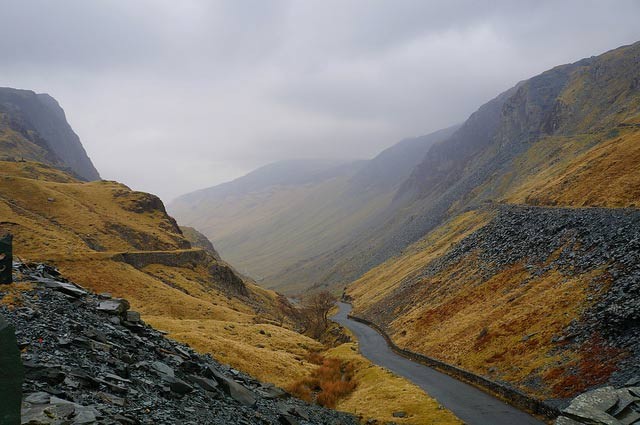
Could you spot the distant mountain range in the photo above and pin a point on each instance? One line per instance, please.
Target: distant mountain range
(508, 246)
(284, 214)
(294, 233)
(33, 127)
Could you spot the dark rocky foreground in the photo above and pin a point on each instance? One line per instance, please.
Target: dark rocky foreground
(88, 359)
(606, 405)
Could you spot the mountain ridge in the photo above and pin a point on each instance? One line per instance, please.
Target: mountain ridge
(37, 119)
(251, 228)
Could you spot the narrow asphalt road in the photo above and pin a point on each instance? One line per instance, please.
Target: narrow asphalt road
(471, 405)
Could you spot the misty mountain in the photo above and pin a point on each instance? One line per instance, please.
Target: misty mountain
(273, 218)
(34, 127)
(524, 133)
(329, 233)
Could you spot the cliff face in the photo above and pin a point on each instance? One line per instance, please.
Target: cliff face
(34, 127)
(527, 270)
(510, 147)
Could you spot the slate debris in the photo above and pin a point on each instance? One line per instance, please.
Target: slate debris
(572, 241)
(83, 367)
(606, 406)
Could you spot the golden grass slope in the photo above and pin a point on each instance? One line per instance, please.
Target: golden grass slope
(493, 326)
(83, 227)
(607, 175)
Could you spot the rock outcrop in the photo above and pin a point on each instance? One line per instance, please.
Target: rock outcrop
(89, 359)
(44, 133)
(606, 406)
(198, 240)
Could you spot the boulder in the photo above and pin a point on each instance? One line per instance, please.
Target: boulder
(287, 420)
(204, 383)
(64, 287)
(235, 390)
(163, 368)
(11, 375)
(116, 306)
(133, 316)
(177, 385)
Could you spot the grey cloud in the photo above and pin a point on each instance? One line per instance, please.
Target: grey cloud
(172, 96)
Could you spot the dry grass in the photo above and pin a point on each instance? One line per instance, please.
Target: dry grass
(376, 284)
(11, 295)
(501, 323)
(378, 393)
(606, 175)
(329, 382)
(502, 326)
(47, 210)
(276, 355)
(58, 219)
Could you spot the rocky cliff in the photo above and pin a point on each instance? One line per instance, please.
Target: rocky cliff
(34, 127)
(563, 121)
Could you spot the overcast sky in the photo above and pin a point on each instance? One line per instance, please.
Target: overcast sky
(172, 96)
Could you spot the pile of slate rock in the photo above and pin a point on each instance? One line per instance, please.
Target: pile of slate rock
(88, 359)
(606, 405)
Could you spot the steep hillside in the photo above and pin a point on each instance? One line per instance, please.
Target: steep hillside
(111, 239)
(34, 127)
(543, 298)
(510, 149)
(528, 272)
(276, 217)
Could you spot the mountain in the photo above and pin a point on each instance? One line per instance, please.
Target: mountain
(110, 239)
(522, 137)
(87, 251)
(527, 269)
(269, 221)
(34, 127)
(509, 248)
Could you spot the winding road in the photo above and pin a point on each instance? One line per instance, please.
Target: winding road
(470, 404)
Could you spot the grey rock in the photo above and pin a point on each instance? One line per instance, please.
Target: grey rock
(625, 399)
(273, 392)
(117, 306)
(177, 385)
(563, 420)
(588, 414)
(603, 399)
(37, 398)
(629, 416)
(71, 289)
(287, 420)
(238, 392)
(204, 383)
(133, 316)
(163, 368)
